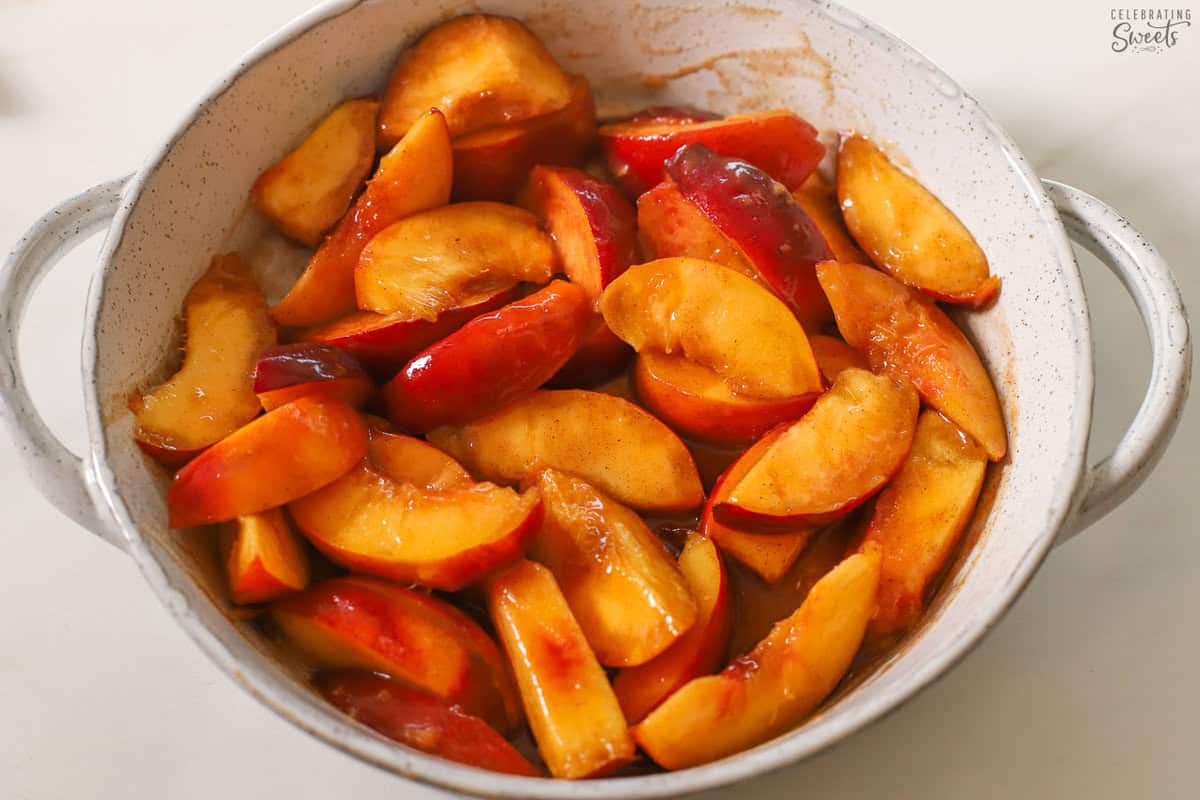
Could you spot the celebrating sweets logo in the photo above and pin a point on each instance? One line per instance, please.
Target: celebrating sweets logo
(1148, 30)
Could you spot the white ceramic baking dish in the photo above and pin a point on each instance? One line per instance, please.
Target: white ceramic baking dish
(835, 68)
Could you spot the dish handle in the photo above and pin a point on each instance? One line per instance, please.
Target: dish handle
(61, 476)
(1148, 279)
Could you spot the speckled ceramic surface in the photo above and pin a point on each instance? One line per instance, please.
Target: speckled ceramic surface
(189, 201)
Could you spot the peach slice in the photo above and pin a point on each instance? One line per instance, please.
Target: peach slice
(491, 361)
(700, 651)
(671, 225)
(386, 342)
(285, 454)
(718, 318)
(907, 231)
(574, 715)
(669, 115)
(777, 142)
(832, 459)
(307, 191)
(405, 459)
(601, 356)
(480, 70)
(628, 596)
(414, 176)
(605, 440)
(769, 555)
(212, 394)
(777, 684)
(904, 333)
(919, 517)
(443, 538)
(593, 225)
(421, 721)
(366, 623)
(428, 263)
(492, 164)
(266, 559)
(286, 372)
(696, 401)
(819, 200)
(835, 356)
(769, 227)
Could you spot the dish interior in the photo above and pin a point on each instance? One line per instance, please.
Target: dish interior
(823, 63)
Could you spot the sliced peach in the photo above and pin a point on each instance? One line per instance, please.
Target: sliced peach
(819, 200)
(212, 394)
(405, 459)
(759, 604)
(832, 459)
(414, 176)
(769, 555)
(835, 356)
(696, 401)
(671, 225)
(605, 440)
(441, 538)
(919, 517)
(772, 688)
(777, 142)
(758, 214)
(904, 333)
(491, 361)
(593, 225)
(670, 115)
(575, 718)
(366, 623)
(626, 593)
(715, 317)
(601, 356)
(421, 721)
(307, 191)
(700, 651)
(266, 559)
(907, 231)
(386, 342)
(428, 263)
(284, 454)
(492, 164)
(480, 70)
(286, 372)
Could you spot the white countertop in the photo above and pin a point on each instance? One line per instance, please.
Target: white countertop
(1087, 689)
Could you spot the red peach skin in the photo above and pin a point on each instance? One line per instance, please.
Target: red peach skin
(572, 710)
(289, 371)
(491, 361)
(421, 721)
(757, 214)
(283, 455)
(904, 333)
(366, 623)
(671, 225)
(413, 177)
(700, 651)
(385, 343)
(776, 685)
(777, 142)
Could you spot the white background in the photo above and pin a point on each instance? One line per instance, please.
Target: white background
(1088, 688)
